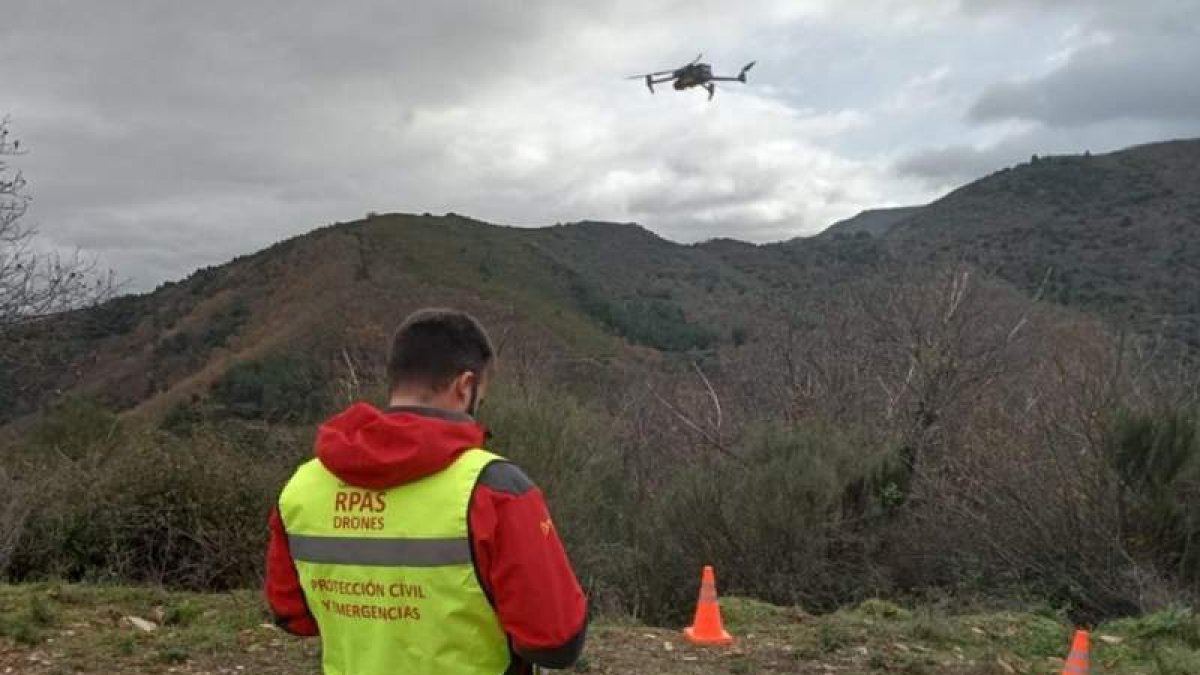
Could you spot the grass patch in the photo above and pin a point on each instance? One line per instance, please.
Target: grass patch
(740, 613)
(1165, 642)
(882, 609)
(91, 635)
(27, 624)
(182, 614)
(226, 633)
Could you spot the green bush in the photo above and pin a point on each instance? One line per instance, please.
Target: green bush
(225, 323)
(74, 427)
(1156, 456)
(26, 625)
(652, 321)
(1173, 623)
(8, 388)
(570, 451)
(781, 516)
(115, 317)
(777, 519)
(806, 513)
(639, 519)
(274, 389)
(216, 331)
(154, 509)
(183, 417)
(176, 344)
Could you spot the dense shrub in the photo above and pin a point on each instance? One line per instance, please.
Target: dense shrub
(657, 323)
(16, 500)
(183, 417)
(224, 323)
(572, 454)
(776, 514)
(775, 518)
(176, 344)
(215, 332)
(8, 388)
(73, 427)
(274, 389)
(1098, 517)
(1156, 456)
(917, 441)
(191, 511)
(115, 317)
(651, 321)
(153, 509)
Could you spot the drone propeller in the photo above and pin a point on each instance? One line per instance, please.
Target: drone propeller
(742, 75)
(661, 72)
(696, 59)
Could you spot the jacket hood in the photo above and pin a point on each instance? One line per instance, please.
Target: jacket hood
(381, 449)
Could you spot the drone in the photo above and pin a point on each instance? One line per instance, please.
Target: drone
(694, 74)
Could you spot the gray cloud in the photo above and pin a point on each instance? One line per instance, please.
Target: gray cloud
(955, 164)
(1154, 80)
(164, 136)
(949, 166)
(1122, 73)
(1120, 60)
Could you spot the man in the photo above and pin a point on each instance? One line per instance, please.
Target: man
(408, 548)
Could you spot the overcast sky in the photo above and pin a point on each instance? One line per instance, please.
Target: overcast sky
(167, 135)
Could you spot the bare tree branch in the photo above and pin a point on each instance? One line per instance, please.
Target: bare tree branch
(712, 435)
(33, 283)
(716, 400)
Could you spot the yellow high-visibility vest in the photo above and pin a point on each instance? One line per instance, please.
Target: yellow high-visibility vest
(388, 574)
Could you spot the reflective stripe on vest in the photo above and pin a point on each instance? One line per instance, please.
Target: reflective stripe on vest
(388, 574)
(386, 552)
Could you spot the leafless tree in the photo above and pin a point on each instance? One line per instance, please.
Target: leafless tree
(709, 429)
(909, 354)
(33, 283)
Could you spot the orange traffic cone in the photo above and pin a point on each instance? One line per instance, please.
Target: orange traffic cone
(706, 628)
(1078, 661)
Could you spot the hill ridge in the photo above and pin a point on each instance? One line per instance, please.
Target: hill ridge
(1119, 232)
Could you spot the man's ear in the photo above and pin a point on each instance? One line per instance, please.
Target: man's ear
(463, 384)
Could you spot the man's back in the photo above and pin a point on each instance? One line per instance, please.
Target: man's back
(393, 544)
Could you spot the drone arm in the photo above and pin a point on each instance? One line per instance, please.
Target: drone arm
(650, 81)
(741, 77)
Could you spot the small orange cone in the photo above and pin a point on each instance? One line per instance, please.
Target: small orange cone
(706, 628)
(1078, 661)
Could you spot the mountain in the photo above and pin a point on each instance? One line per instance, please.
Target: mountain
(1117, 235)
(587, 290)
(875, 222)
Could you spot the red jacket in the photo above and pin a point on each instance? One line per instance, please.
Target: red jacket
(518, 555)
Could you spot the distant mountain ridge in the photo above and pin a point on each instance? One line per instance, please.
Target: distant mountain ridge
(1117, 235)
(875, 222)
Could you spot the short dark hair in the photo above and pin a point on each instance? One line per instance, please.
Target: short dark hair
(434, 346)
